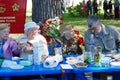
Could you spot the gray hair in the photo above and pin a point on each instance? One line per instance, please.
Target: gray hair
(92, 20)
(26, 32)
(4, 26)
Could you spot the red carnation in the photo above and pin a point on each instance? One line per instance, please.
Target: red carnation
(61, 22)
(48, 39)
(49, 26)
(77, 32)
(81, 41)
(61, 18)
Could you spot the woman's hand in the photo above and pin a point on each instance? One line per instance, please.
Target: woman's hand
(28, 48)
(25, 46)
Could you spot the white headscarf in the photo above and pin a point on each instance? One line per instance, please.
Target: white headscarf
(30, 25)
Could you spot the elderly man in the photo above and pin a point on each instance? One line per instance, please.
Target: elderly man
(105, 36)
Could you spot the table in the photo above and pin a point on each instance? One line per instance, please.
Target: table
(116, 75)
(6, 73)
(79, 71)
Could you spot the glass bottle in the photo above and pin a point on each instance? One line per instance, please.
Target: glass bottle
(97, 56)
(87, 57)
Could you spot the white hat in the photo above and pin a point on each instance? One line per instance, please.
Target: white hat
(30, 25)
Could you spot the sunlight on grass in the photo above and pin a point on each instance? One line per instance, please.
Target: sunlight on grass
(15, 36)
(28, 18)
(78, 22)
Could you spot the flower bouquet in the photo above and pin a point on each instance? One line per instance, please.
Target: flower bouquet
(49, 28)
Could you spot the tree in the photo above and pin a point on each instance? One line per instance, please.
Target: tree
(42, 9)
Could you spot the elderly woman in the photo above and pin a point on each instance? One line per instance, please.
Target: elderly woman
(31, 37)
(72, 41)
(8, 46)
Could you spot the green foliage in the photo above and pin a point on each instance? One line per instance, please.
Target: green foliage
(28, 18)
(70, 10)
(54, 31)
(78, 9)
(75, 10)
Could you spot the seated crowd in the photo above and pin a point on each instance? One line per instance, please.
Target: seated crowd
(72, 41)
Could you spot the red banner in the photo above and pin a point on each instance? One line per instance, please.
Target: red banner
(14, 13)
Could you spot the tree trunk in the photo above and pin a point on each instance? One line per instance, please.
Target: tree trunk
(42, 9)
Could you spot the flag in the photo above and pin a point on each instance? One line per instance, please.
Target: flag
(13, 12)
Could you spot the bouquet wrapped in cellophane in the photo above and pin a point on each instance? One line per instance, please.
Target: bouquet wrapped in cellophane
(49, 28)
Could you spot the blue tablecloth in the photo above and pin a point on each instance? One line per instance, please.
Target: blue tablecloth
(6, 73)
(115, 70)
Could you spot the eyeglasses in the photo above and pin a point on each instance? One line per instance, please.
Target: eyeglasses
(95, 27)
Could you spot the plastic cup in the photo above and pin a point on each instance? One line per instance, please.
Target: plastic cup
(30, 58)
(106, 61)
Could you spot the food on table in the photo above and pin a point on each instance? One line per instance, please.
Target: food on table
(116, 60)
(81, 65)
(71, 60)
(111, 55)
(114, 56)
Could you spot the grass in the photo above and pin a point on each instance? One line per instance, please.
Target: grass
(78, 22)
(28, 18)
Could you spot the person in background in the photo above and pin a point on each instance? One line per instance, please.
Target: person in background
(8, 46)
(105, 8)
(110, 6)
(84, 8)
(106, 36)
(116, 9)
(95, 7)
(89, 5)
(31, 34)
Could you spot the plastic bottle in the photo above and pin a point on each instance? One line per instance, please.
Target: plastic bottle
(50, 49)
(58, 50)
(92, 45)
(88, 57)
(97, 56)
